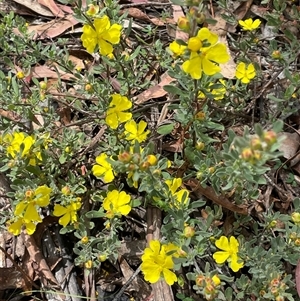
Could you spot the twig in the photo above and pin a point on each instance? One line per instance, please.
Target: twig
(122, 290)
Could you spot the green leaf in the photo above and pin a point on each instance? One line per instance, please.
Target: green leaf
(198, 204)
(165, 129)
(173, 90)
(95, 214)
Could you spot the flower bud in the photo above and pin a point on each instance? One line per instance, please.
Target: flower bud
(88, 264)
(43, 85)
(93, 10)
(257, 155)
(200, 116)
(199, 175)
(297, 242)
(102, 257)
(209, 289)
(84, 240)
(270, 137)
(181, 253)
(20, 74)
(272, 224)
(296, 217)
(197, 15)
(194, 44)
(151, 159)
(66, 190)
(279, 298)
(189, 231)
(200, 146)
(293, 236)
(144, 166)
(124, 157)
(276, 54)
(29, 194)
(256, 144)
(211, 170)
(88, 87)
(157, 172)
(247, 154)
(184, 24)
(200, 280)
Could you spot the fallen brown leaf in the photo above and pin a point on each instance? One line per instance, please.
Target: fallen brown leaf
(36, 7)
(51, 5)
(155, 91)
(52, 28)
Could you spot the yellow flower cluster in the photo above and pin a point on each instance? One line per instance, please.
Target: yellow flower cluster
(21, 144)
(26, 212)
(205, 53)
(101, 34)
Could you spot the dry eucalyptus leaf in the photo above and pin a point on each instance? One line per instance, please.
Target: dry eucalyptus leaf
(290, 144)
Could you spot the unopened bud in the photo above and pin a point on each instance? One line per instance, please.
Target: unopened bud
(200, 146)
(102, 257)
(84, 240)
(296, 217)
(88, 87)
(256, 143)
(184, 24)
(20, 75)
(200, 280)
(270, 137)
(88, 264)
(247, 154)
(189, 231)
(29, 194)
(43, 85)
(151, 159)
(276, 54)
(93, 10)
(66, 190)
(125, 157)
(200, 116)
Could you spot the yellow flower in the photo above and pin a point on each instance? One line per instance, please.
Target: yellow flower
(229, 252)
(117, 203)
(68, 213)
(249, 24)
(182, 195)
(16, 227)
(245, 74)
(32, 202)
(103, 34)
(134, 131)
(177, 49)
(19, 141)
(205, 53)
(115, 113)
(103, 169)
(156, 264)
